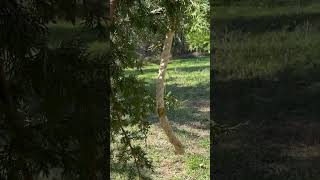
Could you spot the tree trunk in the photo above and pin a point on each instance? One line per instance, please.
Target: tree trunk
(164, 122)
(113, 4)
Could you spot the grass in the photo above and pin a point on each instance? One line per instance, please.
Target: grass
(267, 54)
(269, 79)
(250, 11)
(188, 80)
(262, 19)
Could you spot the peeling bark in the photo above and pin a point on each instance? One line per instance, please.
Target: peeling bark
(164, 122)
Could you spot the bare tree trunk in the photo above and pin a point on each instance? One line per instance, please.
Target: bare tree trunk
(113, 4)
(164, 122)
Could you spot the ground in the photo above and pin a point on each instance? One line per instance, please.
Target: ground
(267, 73)
(188, 81)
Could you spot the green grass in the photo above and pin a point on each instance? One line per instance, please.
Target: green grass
(261, 19)
(205, 143)
(183, 73)
(266, 55)
(188, 81)
(247, 11)
(197, 165)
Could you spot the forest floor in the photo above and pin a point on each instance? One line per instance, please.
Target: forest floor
(188, 81)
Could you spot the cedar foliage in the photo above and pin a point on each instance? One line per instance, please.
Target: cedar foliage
(55, 100)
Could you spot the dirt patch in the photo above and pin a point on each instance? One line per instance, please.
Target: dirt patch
(167, 164)
(199, 125)
(276, 149)
(303, 152)
(201, 105)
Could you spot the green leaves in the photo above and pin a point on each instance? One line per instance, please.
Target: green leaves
(171, 101)
(198, 35)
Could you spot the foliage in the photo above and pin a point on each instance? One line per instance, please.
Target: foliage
(171, 101)
(182, 16)
(198, 35)
(48, 89)
(62, 90)
(130, 101)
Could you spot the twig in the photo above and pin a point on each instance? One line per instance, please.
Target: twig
(131, 149)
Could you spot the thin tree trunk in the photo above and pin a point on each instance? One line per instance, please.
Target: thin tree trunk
(164, 122)
(113, 4)
(106, 173)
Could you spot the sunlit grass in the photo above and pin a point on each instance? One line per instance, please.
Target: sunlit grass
(181, 72)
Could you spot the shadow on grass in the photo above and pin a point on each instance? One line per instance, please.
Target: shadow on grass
(188, 95)
(186, 113)
(190, 69)
(198, 92)
(185, 133)
(178, 69)
(263, 24)
(282, 140)
(128, 172)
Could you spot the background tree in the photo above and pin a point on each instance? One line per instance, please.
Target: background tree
(198, 31)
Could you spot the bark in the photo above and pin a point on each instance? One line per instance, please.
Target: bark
(106, 173)
(113, 4)
(164, 122)
(88, 152)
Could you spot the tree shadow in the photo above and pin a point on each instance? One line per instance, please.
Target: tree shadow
(188, 95)
(178, 69)
(130, 171)
(190, 69)
(186, 133)
(281, 140)
(186, 113)
(261, 24)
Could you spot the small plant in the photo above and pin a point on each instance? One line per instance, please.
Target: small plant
(171, 101)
